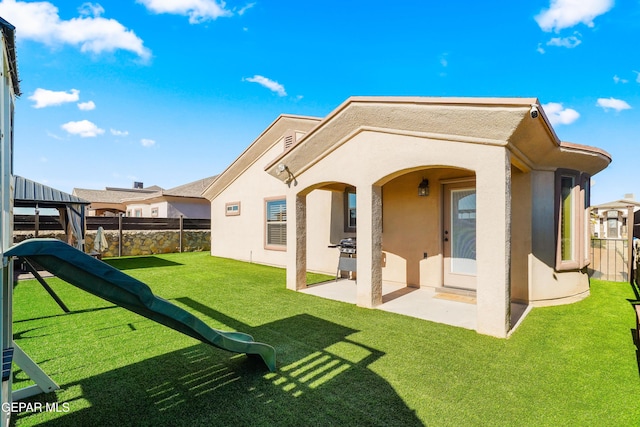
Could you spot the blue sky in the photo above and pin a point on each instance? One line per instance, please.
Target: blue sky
(167, 91)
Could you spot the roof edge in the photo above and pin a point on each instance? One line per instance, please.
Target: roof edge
(253, 143)
(428, 100)
(586, 148)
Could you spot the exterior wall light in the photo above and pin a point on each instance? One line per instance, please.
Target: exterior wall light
(423, 188)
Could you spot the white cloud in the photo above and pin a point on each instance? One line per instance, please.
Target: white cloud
(119, 132)
(197, 10)
(568, 42)
(147, 142)
(40, 21)
(614, 104)
(84, 128)
(91, 9)
(48, 98)
(87, 106)
(443, 60)
(617, 80)
(637, 76)
(540, 49)
(568, 13)
(558, 115)
(268, 83)
(248, 6)
(54, 136)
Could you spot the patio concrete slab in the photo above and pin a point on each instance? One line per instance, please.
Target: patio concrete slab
(421, 303)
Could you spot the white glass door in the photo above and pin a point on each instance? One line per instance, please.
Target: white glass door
(459, 235)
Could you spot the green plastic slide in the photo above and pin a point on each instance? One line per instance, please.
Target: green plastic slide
(101, 279)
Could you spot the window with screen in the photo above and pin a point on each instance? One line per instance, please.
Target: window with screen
(276, 224)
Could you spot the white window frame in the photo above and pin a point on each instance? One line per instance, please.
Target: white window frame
(269, 210)
(579, 215)
(350, 227)
(232, 209)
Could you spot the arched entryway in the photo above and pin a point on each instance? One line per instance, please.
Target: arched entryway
(374, 179)
(426, 234)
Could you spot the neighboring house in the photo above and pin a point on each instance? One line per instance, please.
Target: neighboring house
(476, 194)
(609, 220)
(152, 202)
(111, 201)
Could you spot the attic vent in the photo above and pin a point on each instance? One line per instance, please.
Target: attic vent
(289, 139)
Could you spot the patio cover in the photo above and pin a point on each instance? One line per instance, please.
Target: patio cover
(31, 194)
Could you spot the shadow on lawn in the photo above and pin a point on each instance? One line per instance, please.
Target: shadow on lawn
(323, 378)
(51, 316)
(140, 262)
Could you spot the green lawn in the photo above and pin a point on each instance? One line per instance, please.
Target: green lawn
(573, 365)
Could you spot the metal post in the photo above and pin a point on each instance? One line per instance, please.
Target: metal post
(181, 231)
(36, 222)
(120, 234)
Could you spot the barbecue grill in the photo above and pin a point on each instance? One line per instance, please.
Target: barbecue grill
(347, 255)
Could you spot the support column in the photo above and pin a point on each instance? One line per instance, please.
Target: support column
(494, 246)
(369, 261)
(296, 241)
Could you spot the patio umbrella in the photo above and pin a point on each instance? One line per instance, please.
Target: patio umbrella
(100, 243)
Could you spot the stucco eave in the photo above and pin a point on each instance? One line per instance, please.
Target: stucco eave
(570, 146)
(458, 119)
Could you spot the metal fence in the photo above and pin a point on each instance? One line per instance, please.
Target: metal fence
(46, 222)
(610, 259)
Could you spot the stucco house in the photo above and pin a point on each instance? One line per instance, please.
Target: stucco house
(610, 220)
(473, 194)
(149, 202)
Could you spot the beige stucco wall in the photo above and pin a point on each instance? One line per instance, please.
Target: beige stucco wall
(383, 156)
(520, 234)
(325, 227)
(145, 210)
(243, 236)
(162, 209)
(384, 147)
(176, 207)
(412, 227)
(549, 286)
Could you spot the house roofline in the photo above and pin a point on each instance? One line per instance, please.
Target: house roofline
(426, 100)
(586, 149)
(618, 204)
(245, 152)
